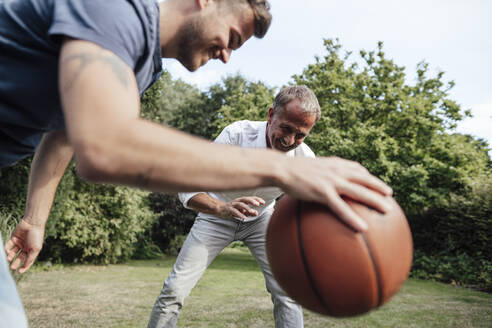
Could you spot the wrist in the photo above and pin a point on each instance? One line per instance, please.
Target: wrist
(217, 207)
(279, 172)
(35, 220)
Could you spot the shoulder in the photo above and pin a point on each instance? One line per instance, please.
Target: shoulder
(303, 150)
(241, 132)
(119, 26)
(244, 127)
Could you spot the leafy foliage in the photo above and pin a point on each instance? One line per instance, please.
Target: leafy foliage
(398, 131)
(233, 99)
(371, 114)
(13, 187)
(174, 221)
(460, 269)
(98, 223)
(238, 99)
(464, 225)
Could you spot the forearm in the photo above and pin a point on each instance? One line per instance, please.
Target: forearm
(50, 161)
(204, 203)
(112, 144)
(145, 154)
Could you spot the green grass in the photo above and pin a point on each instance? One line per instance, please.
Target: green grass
(231, 294)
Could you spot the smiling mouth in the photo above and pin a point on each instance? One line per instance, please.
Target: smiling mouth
(283, 148)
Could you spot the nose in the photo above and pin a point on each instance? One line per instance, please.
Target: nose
(225, 54)
(288, 140)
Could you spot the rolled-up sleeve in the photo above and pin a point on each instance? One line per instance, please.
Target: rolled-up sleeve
(185, 197)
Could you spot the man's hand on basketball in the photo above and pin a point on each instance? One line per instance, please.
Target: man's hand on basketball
(327, 179)
(240, 207)
(27, 240)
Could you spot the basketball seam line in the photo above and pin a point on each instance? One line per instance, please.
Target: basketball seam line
(376, 270)
(304, 260)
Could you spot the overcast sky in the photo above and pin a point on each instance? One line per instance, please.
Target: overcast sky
(454, 36)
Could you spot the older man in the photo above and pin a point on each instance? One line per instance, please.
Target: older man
(225, 217)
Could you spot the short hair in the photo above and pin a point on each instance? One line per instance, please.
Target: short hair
(307, 98)
(263, 17)
(261, 12)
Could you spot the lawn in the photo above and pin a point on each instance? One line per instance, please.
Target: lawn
(231, 294)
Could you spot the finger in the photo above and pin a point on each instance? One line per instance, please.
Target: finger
(370, 181)
(255, 201)
(8, 245)
(31, 257)
(259, 200)
(236, 213)
(18, 261)
(245, 208)
(366, 196)
(346, 214)
(12, 252)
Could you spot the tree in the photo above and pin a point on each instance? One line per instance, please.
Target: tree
(398, 131)
(238, 99)
(231, 100)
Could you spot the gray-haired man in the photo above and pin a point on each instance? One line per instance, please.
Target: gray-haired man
(225, 217)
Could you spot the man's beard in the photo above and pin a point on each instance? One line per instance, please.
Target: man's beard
(190, 43)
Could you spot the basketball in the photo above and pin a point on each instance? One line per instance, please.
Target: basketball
(327, 267)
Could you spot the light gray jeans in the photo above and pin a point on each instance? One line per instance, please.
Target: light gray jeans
(207, 238)
(11, 310)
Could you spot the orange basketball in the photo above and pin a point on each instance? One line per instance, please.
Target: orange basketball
(329, 268)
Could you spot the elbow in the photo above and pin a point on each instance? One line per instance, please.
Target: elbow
(93, 161)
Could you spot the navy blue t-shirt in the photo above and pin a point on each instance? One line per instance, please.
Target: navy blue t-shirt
(31, 32)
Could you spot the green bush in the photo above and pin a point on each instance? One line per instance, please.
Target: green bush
(453, 242)
(13, 188)
(175, 245)
(461, 269)
(99, 224)
(397, 130)
(174, 220)
(13, 191)
(464, 225)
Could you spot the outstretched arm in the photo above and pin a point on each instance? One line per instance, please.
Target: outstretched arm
(49, 164)
(112, 144)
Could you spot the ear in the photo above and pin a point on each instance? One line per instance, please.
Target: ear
(270, 115)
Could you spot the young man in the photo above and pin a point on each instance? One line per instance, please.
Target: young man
(71, 73)
(225, 217)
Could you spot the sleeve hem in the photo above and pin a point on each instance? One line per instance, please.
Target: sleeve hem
(61, 29)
